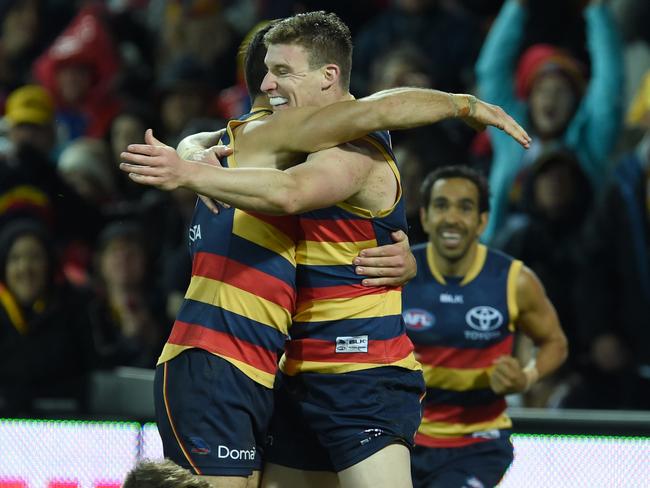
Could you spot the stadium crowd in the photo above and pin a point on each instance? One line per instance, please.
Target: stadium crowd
(94, 266)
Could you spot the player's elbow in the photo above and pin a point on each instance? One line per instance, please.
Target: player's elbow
(561, 347)
(384, 112)
(285, 203)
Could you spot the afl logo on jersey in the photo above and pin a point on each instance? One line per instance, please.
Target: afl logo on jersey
(484, 318)
(418, 319)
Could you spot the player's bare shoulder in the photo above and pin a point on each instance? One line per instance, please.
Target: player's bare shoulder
(530, 292)
(259, 145)
(380, 189)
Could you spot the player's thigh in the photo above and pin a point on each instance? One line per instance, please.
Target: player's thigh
(226, 481)
(253, 481)
(276, 476)
(211, 417)
(481, 465)
(291, 442)
(358, 414)
(388, 468)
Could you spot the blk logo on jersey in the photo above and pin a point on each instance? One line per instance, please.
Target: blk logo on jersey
(418, 319)
(449, 298)
(352, 344)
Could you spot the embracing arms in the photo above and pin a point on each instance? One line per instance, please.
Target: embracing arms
(397, 108)
(310, 129)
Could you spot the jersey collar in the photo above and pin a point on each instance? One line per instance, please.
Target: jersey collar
(474, 269)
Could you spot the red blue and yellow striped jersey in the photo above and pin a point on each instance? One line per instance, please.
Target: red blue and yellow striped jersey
(459, 327)
(242, 292)
(340, 325)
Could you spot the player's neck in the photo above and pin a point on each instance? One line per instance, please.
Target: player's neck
(455, 267)
(333, 95)
(261, 101)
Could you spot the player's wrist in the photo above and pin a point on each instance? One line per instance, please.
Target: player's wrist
(532, 376)
(187, 153)
(464, 105)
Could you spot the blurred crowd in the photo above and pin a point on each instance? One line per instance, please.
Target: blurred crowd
(93, 266)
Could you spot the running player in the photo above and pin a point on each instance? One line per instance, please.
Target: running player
(461, 312)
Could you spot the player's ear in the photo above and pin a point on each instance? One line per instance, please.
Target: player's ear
(423, 219)
(483, 220)
(331, 74)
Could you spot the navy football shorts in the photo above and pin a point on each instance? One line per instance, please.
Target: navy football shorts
(329, 422)
(480, 465)
(212, 418)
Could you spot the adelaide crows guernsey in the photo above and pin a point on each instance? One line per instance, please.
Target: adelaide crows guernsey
(340, 325)
(459, 327)
(242, 291)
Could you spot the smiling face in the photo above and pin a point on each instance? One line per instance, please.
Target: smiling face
(453, 220)
(123, 263)
(290, 81)
(552, 102)
(27, 269)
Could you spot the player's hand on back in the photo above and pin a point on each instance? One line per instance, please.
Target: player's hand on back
(211, 155)
(388, 265)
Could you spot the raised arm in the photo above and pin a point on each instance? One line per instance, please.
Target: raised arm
(539, 321)
(310, 129)
(599, 118)
(495, 67)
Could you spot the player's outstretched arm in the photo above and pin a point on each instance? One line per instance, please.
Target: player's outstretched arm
(326, 178)
(311, 129)
(539, 321)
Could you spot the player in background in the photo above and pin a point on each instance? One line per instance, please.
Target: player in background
(461, 312)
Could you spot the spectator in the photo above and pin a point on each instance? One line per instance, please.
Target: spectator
(402, 66)
(185, 93)
(186, 29)
(616, 284)
(30, 116)
(20, 28)
(128, 128)
(450, 41)
(85, 166)
(548, 92)
(126, 314)
(42, 328)
(80, 81)
(29, 184)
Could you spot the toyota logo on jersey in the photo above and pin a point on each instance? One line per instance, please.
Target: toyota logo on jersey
(484, 318)
(418, 319)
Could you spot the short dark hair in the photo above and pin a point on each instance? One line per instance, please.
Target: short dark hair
(324, 36)
(456, 171)
(163, 474)
(255, 51)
